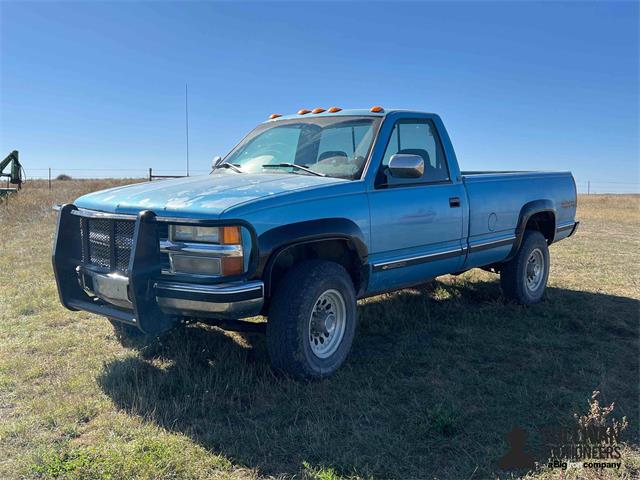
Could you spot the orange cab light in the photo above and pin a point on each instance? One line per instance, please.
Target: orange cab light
(274, 115)
(232, 266)
(376, 109)
(334, 109)
(231, 236)
(303, 111)
(317, 110)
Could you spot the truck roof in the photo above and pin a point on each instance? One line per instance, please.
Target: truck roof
(361, 112)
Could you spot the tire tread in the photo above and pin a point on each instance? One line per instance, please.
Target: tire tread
(287, 313)
(512, 272)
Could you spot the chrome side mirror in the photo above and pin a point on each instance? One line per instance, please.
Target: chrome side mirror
(404, 165)
(217, 160)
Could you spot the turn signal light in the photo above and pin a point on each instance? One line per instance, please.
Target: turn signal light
(303, 111)
(334, 109)
(274, 115)
(231, 236)
(376, 109)
(317, 110)
(232, 266)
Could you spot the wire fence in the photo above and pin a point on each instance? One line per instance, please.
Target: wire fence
(93, 173)
(150, 174)
(600, 186)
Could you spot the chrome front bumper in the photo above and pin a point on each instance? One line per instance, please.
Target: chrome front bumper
(222, 300)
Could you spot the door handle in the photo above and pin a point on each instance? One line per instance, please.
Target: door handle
(454, 202)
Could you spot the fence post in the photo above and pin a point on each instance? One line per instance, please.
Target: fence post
(150, 174)
(49, 178)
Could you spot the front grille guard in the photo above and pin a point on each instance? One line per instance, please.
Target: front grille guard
(144, 267)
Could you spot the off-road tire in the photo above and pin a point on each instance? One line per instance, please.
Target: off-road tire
(288, 325)
(513, 274)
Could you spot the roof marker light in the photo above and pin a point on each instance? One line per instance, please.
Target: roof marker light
(303, 111)
(274, 115)
(376, 109)
(334, 109)
(317, 110)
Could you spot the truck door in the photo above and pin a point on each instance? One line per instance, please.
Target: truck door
(416, 224)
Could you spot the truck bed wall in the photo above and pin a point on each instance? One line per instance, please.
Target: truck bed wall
(495, 203)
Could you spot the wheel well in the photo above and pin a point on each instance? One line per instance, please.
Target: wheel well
(545, 223)
(338, 250)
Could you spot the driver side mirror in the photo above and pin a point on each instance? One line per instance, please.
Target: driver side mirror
(404, 165)
(217, 160)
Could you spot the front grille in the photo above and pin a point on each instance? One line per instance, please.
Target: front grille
(99, 242)
(109, 243)
(124, 244)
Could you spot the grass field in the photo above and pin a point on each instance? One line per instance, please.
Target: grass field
(436, 378)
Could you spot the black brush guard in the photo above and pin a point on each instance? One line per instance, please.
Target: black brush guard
(144, 266)
(72, 258)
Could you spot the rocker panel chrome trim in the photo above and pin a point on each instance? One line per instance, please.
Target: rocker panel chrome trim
(409, 261)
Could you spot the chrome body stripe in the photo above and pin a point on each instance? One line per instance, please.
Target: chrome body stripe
(416, 260)
(406, 262)
(492, 244)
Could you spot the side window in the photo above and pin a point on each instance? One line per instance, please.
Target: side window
(418, 137)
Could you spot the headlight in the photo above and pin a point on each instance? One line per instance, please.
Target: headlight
(215, 251)
(193, 233)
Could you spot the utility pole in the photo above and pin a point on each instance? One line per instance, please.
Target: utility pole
(186, 113)
(589, 187)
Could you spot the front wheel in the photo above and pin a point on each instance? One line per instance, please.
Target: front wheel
(312, 320)
(524, 277)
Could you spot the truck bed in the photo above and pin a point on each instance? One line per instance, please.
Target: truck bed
(497, 198)
(491, 172)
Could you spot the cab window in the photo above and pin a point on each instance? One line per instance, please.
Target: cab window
(418, 137)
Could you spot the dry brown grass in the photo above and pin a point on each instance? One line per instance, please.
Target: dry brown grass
(436, 379)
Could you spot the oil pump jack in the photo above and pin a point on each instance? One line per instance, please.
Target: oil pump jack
(14, 175)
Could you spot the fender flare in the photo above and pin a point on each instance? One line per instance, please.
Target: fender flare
(272, 243)
(526, 212)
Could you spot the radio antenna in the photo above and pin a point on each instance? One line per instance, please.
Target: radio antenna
(186, 119)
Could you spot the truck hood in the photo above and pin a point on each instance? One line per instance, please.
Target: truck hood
(207, 195)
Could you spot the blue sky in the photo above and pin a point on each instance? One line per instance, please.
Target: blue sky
(519, 85)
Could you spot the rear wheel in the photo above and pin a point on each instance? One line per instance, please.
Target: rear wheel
(524, 277)
(312, 320)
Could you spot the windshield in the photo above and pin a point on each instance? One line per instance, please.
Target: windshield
(331, 146)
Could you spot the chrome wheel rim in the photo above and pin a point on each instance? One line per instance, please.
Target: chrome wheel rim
(535, 270)
(327, 323)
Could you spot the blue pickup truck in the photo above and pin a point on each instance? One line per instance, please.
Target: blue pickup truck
(307, 214)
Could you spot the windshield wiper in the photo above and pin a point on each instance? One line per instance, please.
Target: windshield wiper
(233, 167)
(293, 165)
